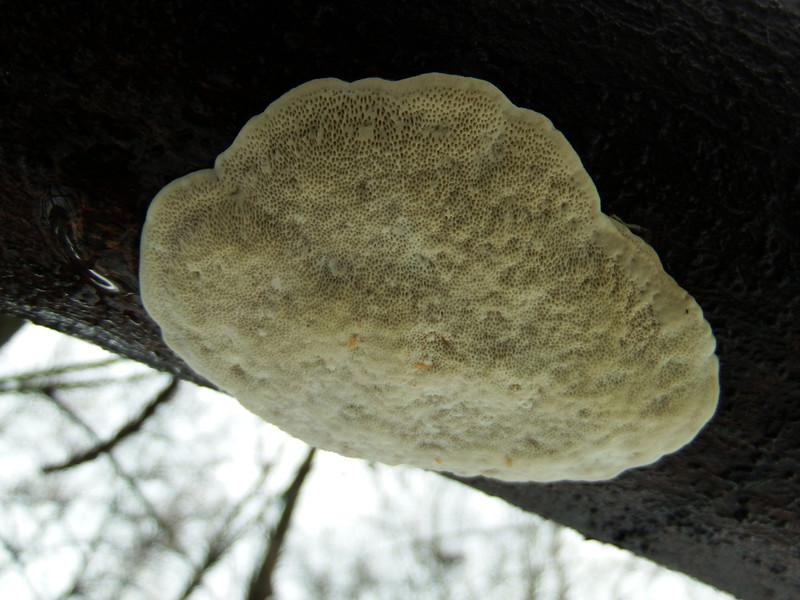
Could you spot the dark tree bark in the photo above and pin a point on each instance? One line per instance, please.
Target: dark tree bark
(686, 114)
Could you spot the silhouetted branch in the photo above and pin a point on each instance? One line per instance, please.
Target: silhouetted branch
(261, 585)
(14, 554)
(226, 535)
(127, 430)
(37, 381)
(74, 590)
(132, 484)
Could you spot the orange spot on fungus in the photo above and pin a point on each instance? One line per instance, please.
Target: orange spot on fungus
(352, 343)
(422, 366)
(438, 461)
(509, 462)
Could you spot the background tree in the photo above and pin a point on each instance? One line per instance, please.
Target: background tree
(119, 503)
(116, 482)
(686, 115)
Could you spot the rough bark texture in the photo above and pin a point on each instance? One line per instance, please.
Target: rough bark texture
(686, 114)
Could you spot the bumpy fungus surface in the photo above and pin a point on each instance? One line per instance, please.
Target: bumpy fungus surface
(419, 272)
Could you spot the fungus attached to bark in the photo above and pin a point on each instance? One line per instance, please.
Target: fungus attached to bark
(419, 272)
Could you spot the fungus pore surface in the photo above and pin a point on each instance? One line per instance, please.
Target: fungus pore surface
(419, 272)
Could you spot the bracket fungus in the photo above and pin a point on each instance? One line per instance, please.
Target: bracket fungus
(419, 272)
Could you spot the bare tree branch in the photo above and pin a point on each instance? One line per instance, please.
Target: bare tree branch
(125, 431)
(36, 381)
(74, 589)
(688, 122)
(14, 553)
(226, 534)
(132, 484)
(261, 584)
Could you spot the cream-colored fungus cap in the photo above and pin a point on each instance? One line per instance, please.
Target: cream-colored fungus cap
(419, 272)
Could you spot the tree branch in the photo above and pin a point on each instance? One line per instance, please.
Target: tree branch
(261, 584)
(126, 431)
(37, 381)
(686, 115)
(132, 484)
(226, 534)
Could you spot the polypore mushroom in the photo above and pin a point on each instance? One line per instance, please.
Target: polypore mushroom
(419, 272)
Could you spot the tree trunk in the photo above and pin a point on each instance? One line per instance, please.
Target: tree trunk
(686, 114)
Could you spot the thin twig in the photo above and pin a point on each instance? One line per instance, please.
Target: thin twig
(125, 431)
(226, 534)
(39, 386)
(148, 506)
(15, 557)
(16, 383)
(261, 584)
